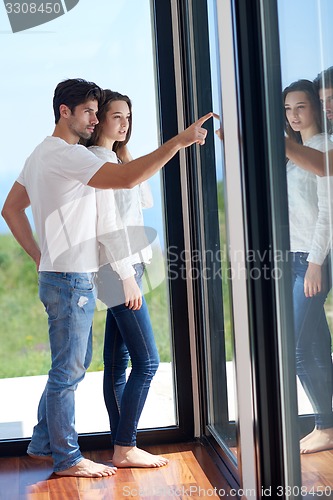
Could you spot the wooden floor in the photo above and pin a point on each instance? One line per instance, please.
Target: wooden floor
(191, 472)
(317, 472)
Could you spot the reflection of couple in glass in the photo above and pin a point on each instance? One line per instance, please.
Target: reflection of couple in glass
(307, 157)
(309, 203)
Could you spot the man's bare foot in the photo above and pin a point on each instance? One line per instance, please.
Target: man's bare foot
(131, 456)
(317, 440)
(88, 468)
(44, 458)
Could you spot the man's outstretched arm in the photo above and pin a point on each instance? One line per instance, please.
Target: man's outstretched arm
(112, 175)
(310, 159)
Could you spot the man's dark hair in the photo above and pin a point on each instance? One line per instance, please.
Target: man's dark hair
(324, 80)
(73, 92)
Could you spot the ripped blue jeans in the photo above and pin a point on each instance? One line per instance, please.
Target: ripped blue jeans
(69, 301)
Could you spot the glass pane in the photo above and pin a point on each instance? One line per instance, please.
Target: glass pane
(306, 40)
(222, 406)
(117, 55)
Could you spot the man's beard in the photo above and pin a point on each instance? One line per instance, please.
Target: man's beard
(85, 135)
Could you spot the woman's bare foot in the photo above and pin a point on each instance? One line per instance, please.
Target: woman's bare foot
(307, 437)
(88, 468)
(131, 456)
(317, 440)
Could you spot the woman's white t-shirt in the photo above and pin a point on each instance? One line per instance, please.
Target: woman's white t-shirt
(310, 206)
(120, 224)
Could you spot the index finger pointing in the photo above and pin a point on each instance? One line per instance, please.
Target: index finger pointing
(203, 119)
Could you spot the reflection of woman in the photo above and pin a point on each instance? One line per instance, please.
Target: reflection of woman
(128, 331)
(309, 221)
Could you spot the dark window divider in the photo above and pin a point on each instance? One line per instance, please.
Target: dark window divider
(262, 144)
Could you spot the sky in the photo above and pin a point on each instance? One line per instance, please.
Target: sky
(306, 38)
(119, 55)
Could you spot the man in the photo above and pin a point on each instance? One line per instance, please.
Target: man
(324, 84)
(310, 159)
(58, 180)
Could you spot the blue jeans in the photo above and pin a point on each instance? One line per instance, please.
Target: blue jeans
(69, 300)
(313, 342)
(128, 335)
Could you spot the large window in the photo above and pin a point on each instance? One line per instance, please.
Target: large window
(245, 211)
(111, 44)
(306, 53)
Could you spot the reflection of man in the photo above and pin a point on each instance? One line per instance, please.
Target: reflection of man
(307, 158)
(324, 84)
(310, 159)
(58, 180)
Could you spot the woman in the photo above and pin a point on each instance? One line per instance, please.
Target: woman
(309, 202)
(128, 331)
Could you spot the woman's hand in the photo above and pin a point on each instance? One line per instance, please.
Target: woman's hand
(132, 292)
(219, 132)
(312, 280)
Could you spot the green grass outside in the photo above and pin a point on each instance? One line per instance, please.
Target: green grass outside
(24, 345)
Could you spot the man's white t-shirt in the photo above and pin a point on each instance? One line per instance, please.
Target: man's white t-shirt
(55, 176)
